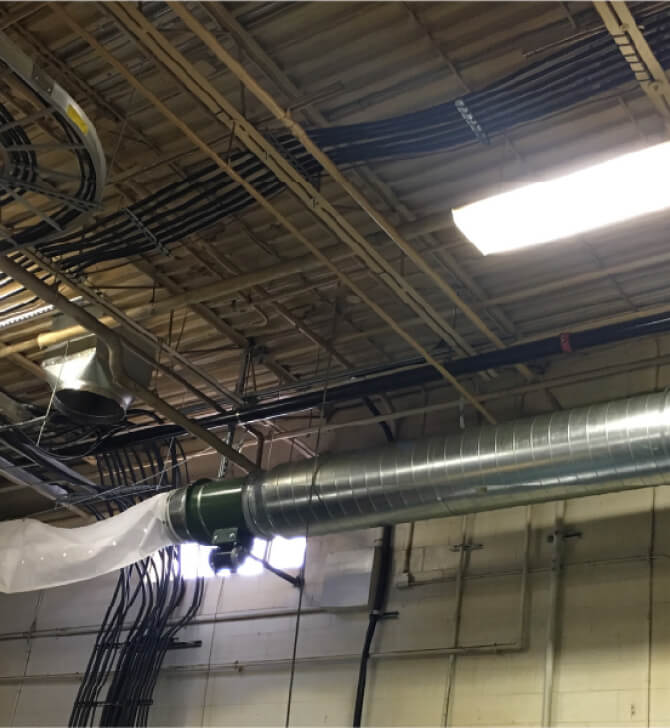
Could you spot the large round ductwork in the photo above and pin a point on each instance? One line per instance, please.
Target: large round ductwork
(588, 451)
(606, 447)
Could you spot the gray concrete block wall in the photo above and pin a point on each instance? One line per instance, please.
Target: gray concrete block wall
(605, 672)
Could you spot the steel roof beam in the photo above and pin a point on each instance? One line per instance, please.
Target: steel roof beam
(269, 207)
(377, 217)
(630, 40)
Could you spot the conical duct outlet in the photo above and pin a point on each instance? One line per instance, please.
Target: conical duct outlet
(84, 390)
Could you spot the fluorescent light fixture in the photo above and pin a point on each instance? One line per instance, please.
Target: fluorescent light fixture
(620, 189)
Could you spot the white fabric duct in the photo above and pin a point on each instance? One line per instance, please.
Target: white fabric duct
(34, 555)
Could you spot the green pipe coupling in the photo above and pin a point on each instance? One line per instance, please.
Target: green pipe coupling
(209, 512)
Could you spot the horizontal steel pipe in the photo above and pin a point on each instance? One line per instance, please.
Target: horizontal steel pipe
(379, 380)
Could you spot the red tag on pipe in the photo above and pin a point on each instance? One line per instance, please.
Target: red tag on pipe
(565, 343)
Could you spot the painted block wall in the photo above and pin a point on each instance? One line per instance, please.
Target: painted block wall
(612, 662)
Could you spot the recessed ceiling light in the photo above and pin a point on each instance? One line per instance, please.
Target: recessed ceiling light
(622, 188)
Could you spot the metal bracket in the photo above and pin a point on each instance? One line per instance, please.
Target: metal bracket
(633, 46)
(43, 80)
(296, 581)
(565, 534)
(175, 644)
(258, 352)
(146, 232)
(466, 547)
(115, 703)
(225, 536)
(471, 121)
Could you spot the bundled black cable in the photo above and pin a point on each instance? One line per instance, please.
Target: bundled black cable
(576, 73)
(22, 168)
(143, 618)
(151, 601)
(385, 551)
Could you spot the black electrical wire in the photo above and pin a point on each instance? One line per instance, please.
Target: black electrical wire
(376, 614)
(379, 599)
(573, 74)
(367, 382)
(153, 589)
(141, 620)
(23, 169)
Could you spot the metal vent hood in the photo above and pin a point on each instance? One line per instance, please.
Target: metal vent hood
(84, 390)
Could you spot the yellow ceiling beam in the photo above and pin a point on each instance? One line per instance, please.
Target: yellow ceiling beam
(630, 40)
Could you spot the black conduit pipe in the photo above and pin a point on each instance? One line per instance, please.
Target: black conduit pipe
(374, 410)
(385, 552)
(378, 606)
(395, 380)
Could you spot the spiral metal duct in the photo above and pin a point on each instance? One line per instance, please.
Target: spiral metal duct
(615, 446)
(609, 447)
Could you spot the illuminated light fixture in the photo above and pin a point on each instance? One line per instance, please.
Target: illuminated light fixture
(620, 189)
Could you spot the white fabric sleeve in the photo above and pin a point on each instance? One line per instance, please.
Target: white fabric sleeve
(34, 555)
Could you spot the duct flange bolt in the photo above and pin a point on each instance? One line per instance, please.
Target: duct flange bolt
(232, 548)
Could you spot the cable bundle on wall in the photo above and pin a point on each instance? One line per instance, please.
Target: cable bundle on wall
(151, 601)
(149, 606)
